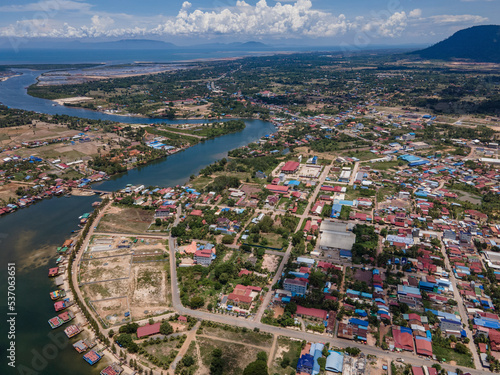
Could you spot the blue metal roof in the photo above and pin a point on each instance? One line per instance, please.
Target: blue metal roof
(345, 253)
(451, 321)
(406, 329)
(334, 362)
(305, 362)
(358, 322)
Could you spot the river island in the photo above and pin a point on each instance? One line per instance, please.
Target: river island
(255, 215)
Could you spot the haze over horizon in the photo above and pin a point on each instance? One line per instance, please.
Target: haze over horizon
(287, 23)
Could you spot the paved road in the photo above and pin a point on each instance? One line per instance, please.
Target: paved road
(354, 173)
(141, 235)
(340, 343)
(461, 310)
(79, 255)
(284, 261)
(255, 324)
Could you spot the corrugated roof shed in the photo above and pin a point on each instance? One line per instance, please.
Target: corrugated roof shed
(148, 330)
(334, 362)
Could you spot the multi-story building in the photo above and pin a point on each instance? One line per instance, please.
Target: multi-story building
(296, 286)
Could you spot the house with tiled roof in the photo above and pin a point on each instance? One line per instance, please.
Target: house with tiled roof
(243, 296)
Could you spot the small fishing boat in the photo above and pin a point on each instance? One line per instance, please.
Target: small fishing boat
(61, 319)
(56, 294)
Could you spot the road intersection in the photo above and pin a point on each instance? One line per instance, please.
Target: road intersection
(255, 322)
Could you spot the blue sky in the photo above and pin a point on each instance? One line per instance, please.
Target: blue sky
(314, 22)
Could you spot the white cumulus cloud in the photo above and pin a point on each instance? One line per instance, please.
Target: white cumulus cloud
(48, 6)
(293, 19)
(458, 19)
(101, 23)
(390, 26)
(265, 19)
(415, 13)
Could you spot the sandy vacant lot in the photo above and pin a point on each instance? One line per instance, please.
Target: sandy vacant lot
(9, 190)
(112, 311)
(76, 99)
(142, 280)
(125, 220)
(67, 152)
(149, 290)
(106, 268)
(270, 262)
(42, 131)
(106, 290)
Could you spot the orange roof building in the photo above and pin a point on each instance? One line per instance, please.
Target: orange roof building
(191, 248)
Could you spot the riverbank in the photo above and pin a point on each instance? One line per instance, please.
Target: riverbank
(131, 158)
(3, 79)
(76, 99)
(46, 225)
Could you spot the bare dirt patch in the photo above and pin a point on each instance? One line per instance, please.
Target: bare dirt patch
(125, 220)
(100, 142)
(370, 339)
(139, 272)
(9, 190)
(270, 262)
(286, 348)
(250, 337)
(163, 350)
(41, 131)
(149, 289)
(106, 290)
(103, 269)
(112, 311)
(76, 99)
(278, 311)
(376, 366)
(227, 256)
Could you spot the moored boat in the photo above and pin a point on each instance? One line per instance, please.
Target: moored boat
(53, 271)
(56, 294)
(61, 319)
(92, 357)
(72, 330)
(64, 304)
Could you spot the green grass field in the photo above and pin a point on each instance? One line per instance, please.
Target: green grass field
(286, 356)
(448, 355)
(235, 356)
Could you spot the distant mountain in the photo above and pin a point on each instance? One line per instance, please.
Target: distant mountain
(251, 46)
(477, 43)
(145, 44)
(129, 44)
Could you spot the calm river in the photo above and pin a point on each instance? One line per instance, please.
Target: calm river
(29, 237)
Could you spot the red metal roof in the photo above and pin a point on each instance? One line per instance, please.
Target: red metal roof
(239, 298)
(148, 330)
(317, 313)
(424, 347)
(402, 340)
(277, 188)
(290, 166)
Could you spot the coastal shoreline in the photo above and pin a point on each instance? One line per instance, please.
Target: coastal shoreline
(3, 79)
